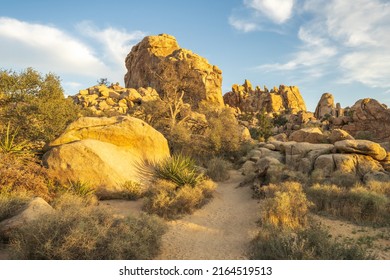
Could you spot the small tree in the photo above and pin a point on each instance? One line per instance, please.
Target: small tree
(264, 126)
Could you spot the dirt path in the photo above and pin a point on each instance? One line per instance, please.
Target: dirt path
(220, 230)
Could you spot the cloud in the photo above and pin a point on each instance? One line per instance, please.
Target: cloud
(46, 47)
(116, 43)
(349, 39)
(87, 53)
(242, 25)
(279, 11)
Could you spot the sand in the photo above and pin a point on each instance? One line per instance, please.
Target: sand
(221, 230)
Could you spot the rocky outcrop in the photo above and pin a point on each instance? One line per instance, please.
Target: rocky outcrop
(325, 106)
(310, 135)
(33, 210)
(278, 100)
(339, 135)
(113, 99)
(370, 120)
(159, 62)
(105, 152)
(363, 147)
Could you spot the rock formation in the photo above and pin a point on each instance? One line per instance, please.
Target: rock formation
(113, 99)
(370, 120)
(105, 152)
(278, 100)
(325, 106)
(159, 62)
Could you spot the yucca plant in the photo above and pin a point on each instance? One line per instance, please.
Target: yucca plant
(80, 188)
(179, 169)
(8, 143)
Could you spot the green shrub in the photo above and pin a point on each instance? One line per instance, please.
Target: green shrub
(77, 232)
(313, 243)
(169, 201)
(285, 206)
(218, 169)
(357, 204)
(179, 169)
(36, 105)
(8, 143)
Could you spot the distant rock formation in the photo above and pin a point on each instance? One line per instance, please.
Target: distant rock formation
(369, 119)
(113, 99)
(105, 152)
(325, 106)
(159, 62)
(278, 100)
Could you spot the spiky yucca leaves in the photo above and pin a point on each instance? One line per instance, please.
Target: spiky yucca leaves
(179, 169)
(8, 143)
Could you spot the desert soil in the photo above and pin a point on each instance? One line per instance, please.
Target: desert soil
(221, 230)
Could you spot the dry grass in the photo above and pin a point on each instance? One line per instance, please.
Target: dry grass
(218, 169)
(312, 243)
(357, 204)
(167, 200)
(22, 173)
(77, 231)
(285, 206)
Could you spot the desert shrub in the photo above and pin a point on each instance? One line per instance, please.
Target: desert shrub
(77, 231)
(312, 243)
(35, 104)
(179, 169)
(8, 144)
(379, 187)
(279, 120)
(264, 127)
(285, 206)
(131, 190)
(218, 169)
(167, 200)
(23, 173)
(10, 203)
(281, 173)
(357, 204)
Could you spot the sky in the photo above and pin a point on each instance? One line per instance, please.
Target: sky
(336, 46)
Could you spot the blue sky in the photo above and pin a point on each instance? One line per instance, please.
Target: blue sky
(337, 46)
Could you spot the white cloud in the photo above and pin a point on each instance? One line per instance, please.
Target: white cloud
(116, 43)
(279, 11)
(242, 25)
(349, 38)
(45, 47)
(74, 57)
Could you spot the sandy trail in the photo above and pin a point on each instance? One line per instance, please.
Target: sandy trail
(221, 230)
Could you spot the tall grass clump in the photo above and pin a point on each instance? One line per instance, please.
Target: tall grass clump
(178, 188)
(358, 204)
(78, 231)
(312, 243)
(285, 206)
(218, 169)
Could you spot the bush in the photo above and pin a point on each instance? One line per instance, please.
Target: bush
(169, 201)
(77, 232)
(35, 104)
(10, 203)
(179, 169)
(218, 169)
(357, 204)
(285, 206)
(313, 243)
(22, 173)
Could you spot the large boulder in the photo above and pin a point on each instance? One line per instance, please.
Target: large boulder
(301, 156)
(370, 119)
(325, 106)
(159, 62)
(105, 152)
(278, 100)
(311, 135)
(339, 135)
(352, 164)
(363, 147)
(33, 210)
